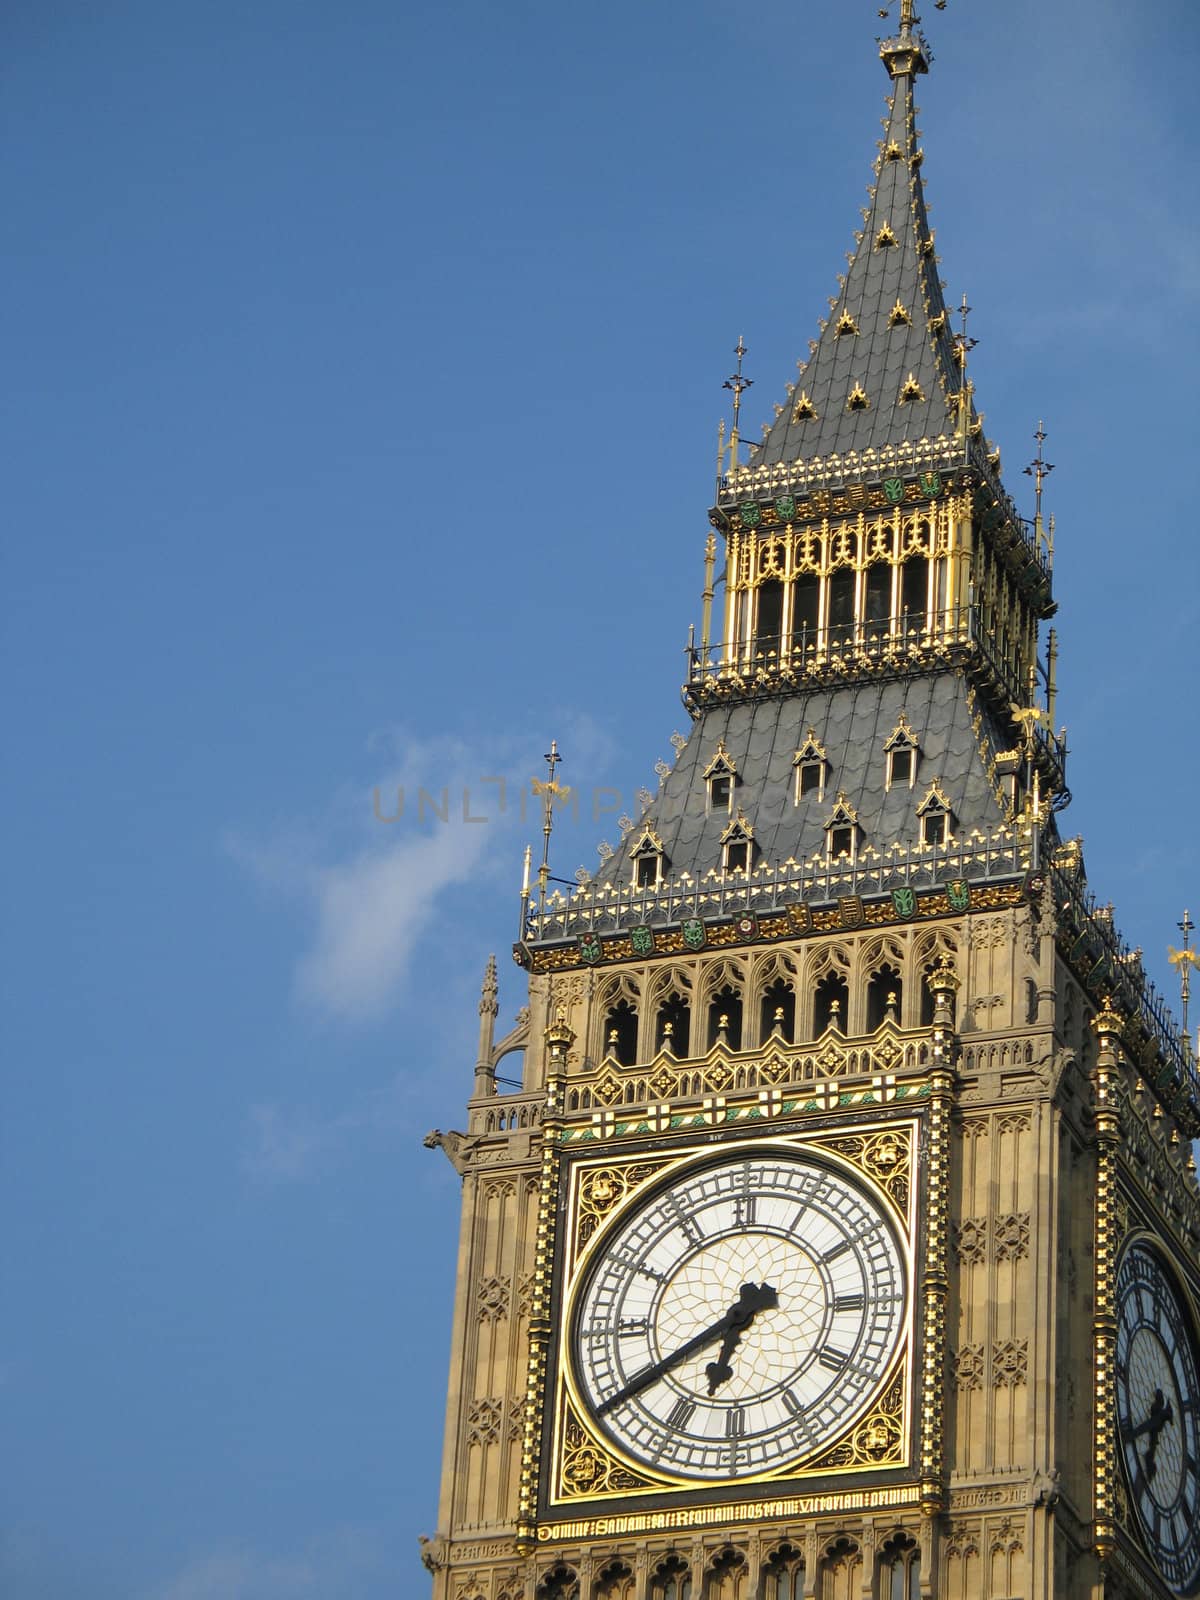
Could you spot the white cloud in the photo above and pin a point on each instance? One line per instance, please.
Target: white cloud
(370, 913)
(372, 872)
(370, 904)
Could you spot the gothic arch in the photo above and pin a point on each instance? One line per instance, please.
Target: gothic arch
(727, 1576)
(783, 1573)
(840, 1571)
(668, 993)
(618, 1005)
(722, 993)
(559, 1582)
(615, 1581)
(671, 1579)
(831, 962)
(774, 971)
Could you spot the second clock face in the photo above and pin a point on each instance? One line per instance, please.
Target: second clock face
(740, 1318)
(1158, 1410)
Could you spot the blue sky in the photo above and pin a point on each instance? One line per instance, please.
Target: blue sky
(364, 366)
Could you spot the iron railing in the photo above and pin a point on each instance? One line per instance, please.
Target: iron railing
(597, 906)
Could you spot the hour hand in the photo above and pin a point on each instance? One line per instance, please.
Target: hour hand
(754, 1297)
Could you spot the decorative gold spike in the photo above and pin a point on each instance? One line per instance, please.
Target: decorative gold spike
(899, 314)
(845, 324)
(885, 237)
(893, 152)
(912, 390)
(927, 244)
(857, 399)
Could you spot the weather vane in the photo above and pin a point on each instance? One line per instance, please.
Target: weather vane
(908, 13)
(1185, 960)
(739, 384)
(550, 792)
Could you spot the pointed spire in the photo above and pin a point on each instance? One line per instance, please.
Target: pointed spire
(485, 1071)
(883, 370)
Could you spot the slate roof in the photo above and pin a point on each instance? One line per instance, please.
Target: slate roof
(882, 355)
(853, 723)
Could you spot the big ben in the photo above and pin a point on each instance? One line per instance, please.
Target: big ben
(841, 1238)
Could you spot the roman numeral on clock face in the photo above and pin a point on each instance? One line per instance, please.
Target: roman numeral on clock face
(735, 1422)
(850, 1302)
(833, 1359)
(681, 1413)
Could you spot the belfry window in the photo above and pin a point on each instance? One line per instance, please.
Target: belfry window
(720, 775)
(841, 598)
(810, 764)
(768, 616)
(725, 1018)
(885, 992)
(935, 816)
(737, 845)
(914, 591)
(649, 862)
(777, 1012)
(831, 1001)
(806, 610)
(900, 751)
(620, 1033)
(878, 601)
(841, 831)
(673, 1025)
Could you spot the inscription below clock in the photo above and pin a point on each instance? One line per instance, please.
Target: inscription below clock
(740, 1318)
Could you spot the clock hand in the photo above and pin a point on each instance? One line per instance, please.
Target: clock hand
(1160, 1414)
(751, 1298)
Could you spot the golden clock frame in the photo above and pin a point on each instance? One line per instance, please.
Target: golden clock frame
(584, 1470)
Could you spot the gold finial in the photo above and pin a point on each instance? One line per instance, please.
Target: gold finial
(739, 384)
(1185, 960)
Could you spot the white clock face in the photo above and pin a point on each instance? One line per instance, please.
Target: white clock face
(741, 1318)
(1158, 1398)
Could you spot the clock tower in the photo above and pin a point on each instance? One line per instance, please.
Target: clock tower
(841, 1238)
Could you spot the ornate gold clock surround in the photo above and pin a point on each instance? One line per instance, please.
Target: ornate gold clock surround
(582, 1472)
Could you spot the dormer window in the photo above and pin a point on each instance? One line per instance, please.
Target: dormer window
(737, 843)
(935, 817)
(649, 861)
(720, 775)
(842, 830)
(810, 764)
(900, 752)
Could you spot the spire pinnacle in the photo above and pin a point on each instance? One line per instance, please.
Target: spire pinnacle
(739, 384)
(906, 54)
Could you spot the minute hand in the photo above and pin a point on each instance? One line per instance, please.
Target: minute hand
(739, 1317)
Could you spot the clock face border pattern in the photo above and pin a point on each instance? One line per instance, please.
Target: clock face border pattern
(1157, 1394)
(602, 1193)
